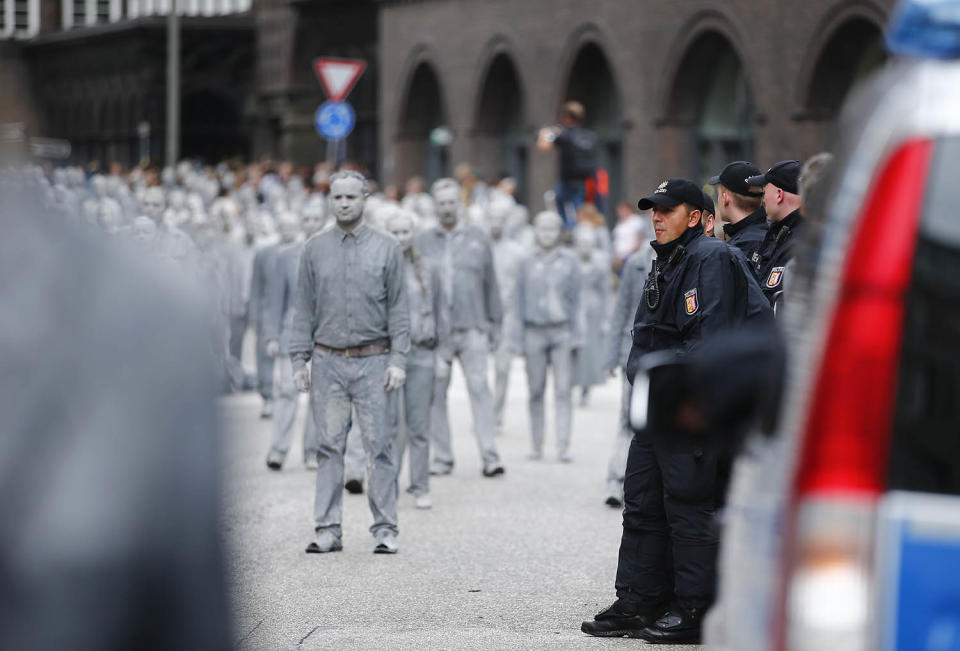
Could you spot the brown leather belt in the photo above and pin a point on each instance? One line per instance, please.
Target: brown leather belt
(374, 348)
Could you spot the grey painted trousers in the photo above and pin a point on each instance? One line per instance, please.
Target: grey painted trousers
(417, 396)
(545, 346)
(470, 347)
(338, 386)
(264, 368)
(285, 413)
(617, 468)
(501, 366)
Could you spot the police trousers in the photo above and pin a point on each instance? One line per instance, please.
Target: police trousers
(669, 546)
(338, 386)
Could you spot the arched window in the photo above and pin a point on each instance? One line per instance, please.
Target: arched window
(424, 132)
(854, 50)
(591, 83)
(500, 142)
(712, 98)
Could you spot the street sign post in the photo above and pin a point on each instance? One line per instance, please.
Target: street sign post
(335, 118)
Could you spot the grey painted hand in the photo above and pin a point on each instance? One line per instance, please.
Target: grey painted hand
(301, 379)
(272, 348)
(394, 378)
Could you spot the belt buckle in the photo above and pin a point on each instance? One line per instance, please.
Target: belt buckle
(346, 353)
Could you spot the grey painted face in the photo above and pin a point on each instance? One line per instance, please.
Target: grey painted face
(447, 201)
(400, 225)
(314, 218)
(546, 230)
(347, 200)
(584, 241)
(288, 226)
(154, 203)
(497, 218)
(144, 229)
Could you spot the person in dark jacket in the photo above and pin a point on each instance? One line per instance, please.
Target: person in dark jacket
(577, 146)
(781, 200)
(666, 572)
(740, 208)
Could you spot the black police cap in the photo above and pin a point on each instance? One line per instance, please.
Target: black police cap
(734, 178)
(785, 175)
(673, 192)
(708, 204)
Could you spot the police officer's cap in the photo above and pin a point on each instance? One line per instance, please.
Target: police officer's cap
(734, 178)
(673, 192)
(784, 175)
(708, 204)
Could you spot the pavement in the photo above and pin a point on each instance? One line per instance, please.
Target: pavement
(514, 562)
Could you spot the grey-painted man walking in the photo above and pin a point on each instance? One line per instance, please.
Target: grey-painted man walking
(351, 318)
(424, 293)
(547, 304)
(629, 295)
(278, 318)
(473, 311)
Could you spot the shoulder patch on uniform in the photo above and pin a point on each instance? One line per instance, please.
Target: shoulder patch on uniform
(775, 277)
(690, 303)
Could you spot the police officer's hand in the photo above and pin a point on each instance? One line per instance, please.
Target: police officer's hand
(394, 377)
(301, 379)
(272, 348)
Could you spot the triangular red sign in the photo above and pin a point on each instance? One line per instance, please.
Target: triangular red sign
(338, 76)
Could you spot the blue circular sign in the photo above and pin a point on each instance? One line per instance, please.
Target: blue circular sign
(335, 120)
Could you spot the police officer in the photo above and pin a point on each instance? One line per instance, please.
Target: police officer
(781, 200)
(666, 570)
(740, 208)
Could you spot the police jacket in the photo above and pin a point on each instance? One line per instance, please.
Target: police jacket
(776, 251)
(747, 234)
(697, 286)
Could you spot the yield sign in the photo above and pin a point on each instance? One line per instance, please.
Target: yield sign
(337, 76)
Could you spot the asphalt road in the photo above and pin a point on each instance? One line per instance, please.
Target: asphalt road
(515, 562)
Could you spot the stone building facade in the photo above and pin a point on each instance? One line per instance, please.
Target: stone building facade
(672, 88)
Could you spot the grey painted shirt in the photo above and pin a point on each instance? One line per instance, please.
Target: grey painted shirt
(424, 295)
(350, 292)
(280, 292)
(548, 290)
(465, 260)
(507, 255)
(629, 294)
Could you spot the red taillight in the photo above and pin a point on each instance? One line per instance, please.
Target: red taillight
(846, 438)
(849, 421)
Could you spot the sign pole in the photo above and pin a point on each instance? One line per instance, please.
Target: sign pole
(173, 85)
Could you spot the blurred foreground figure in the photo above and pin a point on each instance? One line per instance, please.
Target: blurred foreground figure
(108, 448)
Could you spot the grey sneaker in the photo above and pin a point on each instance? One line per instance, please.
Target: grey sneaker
(267, 410)
(423, 501)
(325, 542)
(311, 462)
(386, 544)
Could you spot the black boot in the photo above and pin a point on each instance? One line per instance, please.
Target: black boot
(623, 618)
(677, 625)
